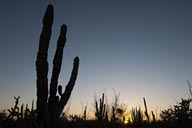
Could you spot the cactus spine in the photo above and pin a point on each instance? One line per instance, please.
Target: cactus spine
(51, 106)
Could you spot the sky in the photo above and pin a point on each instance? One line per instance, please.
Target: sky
(139, 48)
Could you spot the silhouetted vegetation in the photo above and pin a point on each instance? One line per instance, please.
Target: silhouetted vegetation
(100, 109)
(177, 116)
(49, 112)
(49, 106)
(19, 117)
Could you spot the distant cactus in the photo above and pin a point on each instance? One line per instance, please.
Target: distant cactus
(15, 112)
(100, 109)
(146, 112)
(137, 116)
(153, 115)
(85, 113)
(51, 106)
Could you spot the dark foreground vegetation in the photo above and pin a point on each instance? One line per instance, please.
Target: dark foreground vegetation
(48, 112)
(113, 116)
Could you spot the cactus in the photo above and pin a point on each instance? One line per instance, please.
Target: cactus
(14, 112)
(32, 105)
(18, 113)
(21, 112)
(146, 112)
(137, 116)
(100, 111)
(153, 115)
(85, 113)
(51, 106)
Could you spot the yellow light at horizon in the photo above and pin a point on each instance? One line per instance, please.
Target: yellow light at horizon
(126, 122)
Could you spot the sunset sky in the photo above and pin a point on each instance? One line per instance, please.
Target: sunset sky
(139, 48)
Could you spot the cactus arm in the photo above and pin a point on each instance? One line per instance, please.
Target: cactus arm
(42, 64)
(57, 62)
(60, 90)
(69, 87)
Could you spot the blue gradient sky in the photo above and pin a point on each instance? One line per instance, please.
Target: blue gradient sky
(140, 48)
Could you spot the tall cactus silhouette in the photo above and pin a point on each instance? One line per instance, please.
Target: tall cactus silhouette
(146, 112)
(50, 106)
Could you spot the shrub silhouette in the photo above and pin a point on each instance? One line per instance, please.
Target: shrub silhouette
(117, 110)
(50, 106)
(179, 115)
(18, 116)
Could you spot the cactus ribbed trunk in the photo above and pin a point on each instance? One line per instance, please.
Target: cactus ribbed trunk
(49, 107)
(42, 66)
